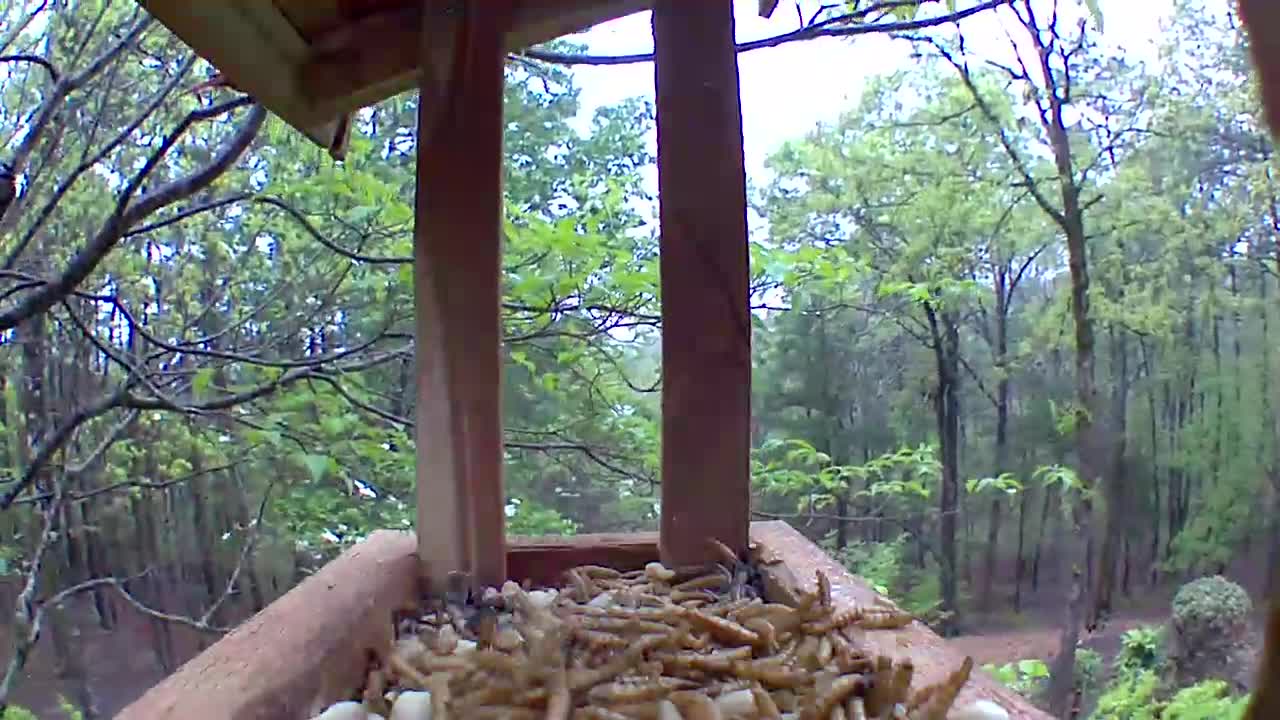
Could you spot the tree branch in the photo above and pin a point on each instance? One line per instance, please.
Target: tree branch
(826, 28)
(34, 60)
(129, 213)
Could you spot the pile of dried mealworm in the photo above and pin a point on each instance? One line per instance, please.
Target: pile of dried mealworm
(654, 644)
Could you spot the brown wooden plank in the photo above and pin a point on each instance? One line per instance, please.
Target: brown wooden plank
(932, 656)
(457, 269)
(542, 560)
(309, 17)
(308, 648)
(304, 651)
(706, 324)
(378, 56)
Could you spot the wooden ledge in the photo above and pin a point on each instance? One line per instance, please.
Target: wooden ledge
(932, 656)
(309, 647)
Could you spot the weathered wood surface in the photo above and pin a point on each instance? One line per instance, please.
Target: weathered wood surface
(703, 256)
(542, 560)
(457, 264)
(304, 650)
(312, 62)
(309, 648)
(932, 656)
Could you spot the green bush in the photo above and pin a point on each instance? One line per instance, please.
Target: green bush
(1209, 700)
(1141, 648)
(1211, 602)
(1129, 698)
(16, 713)
(1088, 670)
(1135, 698)
(880, 564)
(1025, 677)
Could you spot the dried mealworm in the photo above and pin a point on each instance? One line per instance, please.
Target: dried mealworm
(837, 693)
(765, 706)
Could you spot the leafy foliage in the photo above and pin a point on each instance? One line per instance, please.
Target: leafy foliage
(1134, 698)
(1024, 676)
(249, 345)
(1211, 605)
(1141, 648)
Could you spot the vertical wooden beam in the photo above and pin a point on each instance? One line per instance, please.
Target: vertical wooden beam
(706, 335)
(457, 268)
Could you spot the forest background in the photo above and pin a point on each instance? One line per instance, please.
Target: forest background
(1015, 320)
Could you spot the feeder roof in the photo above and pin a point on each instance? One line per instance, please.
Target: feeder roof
(313, 62)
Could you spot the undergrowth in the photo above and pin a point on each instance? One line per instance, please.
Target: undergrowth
(1135, 691)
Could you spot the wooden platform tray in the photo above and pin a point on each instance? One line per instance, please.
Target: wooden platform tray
(310, 647)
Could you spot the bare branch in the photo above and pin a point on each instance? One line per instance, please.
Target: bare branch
(129, 213)
(245, 551)
(65, 186)
(34, 60)
(28, 614)
(826, 28)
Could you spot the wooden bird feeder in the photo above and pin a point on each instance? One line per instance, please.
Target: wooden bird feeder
(314, 63)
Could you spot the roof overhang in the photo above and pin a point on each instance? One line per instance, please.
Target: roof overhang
(314, 62)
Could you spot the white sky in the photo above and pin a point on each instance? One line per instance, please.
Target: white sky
(786, 90)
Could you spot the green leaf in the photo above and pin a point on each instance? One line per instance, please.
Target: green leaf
(316, 465)
(200, 383)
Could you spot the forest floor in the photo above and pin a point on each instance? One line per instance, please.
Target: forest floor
(1004, 636)
(1038, 639)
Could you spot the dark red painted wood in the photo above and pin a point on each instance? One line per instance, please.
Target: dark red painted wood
(706, 346)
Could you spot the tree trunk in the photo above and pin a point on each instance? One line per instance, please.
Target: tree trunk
(946, 350)
(1116, 511)
(1044, 524)
(1090, 437)
(1002, 434)
(1018, 567)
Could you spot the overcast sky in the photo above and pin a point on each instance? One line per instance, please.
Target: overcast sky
(788, 89)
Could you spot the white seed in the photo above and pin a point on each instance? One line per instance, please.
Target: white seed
(345, 710)
(412, 705)
(542, 599)
(446, 641)
(980, 710)
(737, 704)
(603, 600)
(658, 571)
(667, 710)
(508, 639)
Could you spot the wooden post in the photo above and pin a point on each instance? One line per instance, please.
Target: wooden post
(706, 336)
(457, 268)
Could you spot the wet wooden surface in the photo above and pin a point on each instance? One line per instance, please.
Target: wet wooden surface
(933, 657)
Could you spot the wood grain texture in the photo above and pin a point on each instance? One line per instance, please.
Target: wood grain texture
(1261, 20)
(259, 54)
(932, 656)
(706, 320)
(542, 560)
(457, 274)
(372, 58)
(309, 648)
(304, 651)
